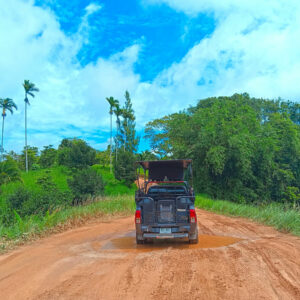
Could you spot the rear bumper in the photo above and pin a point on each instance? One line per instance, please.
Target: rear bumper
(177, 231)
(165, 236)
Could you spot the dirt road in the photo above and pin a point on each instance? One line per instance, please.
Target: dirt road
(235, 259)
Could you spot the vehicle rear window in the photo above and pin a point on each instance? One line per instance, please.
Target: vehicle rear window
(167, 189)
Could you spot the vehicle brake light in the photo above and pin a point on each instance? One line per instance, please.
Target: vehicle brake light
(193, 217)
(137, 217)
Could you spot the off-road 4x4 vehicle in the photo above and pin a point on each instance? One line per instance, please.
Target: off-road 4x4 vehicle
(165, 201)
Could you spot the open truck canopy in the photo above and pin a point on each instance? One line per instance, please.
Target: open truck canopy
(166, 209)
(171, 170)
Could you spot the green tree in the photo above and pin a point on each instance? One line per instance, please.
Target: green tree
(125, 168)
(48, 156)
(157, 132)
(13, 155)
(32, 154)
(127, 142)
(112, 104)
(76, 153)
(103, 158)
(6, 104)
(146, 155)
(130, 139)
(30, 89)
(243, 148)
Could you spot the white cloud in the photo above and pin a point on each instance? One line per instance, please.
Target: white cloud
(92, 8)
(34, 47)
(254, 48)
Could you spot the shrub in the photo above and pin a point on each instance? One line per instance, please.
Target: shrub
(35, 167)
(18, 198)
(124, 168)
(9, 171)
(47, 198)
(86, 183)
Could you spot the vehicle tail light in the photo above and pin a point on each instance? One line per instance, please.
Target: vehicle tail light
(137, 217)
(193, 217)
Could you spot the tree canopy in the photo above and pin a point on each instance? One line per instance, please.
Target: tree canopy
(243, 148)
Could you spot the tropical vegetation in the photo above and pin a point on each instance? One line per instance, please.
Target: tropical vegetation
(244, 149)
(30, 89)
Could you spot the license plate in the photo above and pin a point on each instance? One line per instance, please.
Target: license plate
(165, 230)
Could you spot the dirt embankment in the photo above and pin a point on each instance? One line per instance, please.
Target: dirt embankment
(235, 259)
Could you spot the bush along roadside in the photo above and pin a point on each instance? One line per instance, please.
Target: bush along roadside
(279, 216)
(86, 184)
(47, 197)
(31, 226)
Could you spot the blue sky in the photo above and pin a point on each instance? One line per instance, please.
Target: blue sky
(165, 35)
(166, 53)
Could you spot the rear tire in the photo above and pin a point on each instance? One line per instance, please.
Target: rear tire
(194, 241)
(139, 242)
(148, 241)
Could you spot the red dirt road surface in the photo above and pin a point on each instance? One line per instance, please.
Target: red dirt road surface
(235, 259)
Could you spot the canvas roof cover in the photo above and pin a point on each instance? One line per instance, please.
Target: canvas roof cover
(170, 170)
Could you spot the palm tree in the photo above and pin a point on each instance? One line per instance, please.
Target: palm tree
(118, 112)
(112, 103)
(29, 88)
(6, 104)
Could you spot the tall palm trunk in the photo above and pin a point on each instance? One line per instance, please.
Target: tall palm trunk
(117, 143)
(110, 143)
(2, 149)
(26, 157)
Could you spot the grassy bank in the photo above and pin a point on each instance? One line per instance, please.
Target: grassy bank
(113, 187)
(60, 176)
(275, 215)
(33, 226)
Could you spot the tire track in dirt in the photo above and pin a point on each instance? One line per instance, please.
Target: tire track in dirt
(102, 261)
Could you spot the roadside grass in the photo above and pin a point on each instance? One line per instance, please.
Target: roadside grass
(33, 226)
(275, 215)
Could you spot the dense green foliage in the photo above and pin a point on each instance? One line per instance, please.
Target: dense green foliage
(45, 190)
(243, 149)
(48, 157)
(85, 184)
(9, 171)
(124, 168)
(48, 198)
(76, 153)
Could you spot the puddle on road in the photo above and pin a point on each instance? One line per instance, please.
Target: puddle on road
(128, 243)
